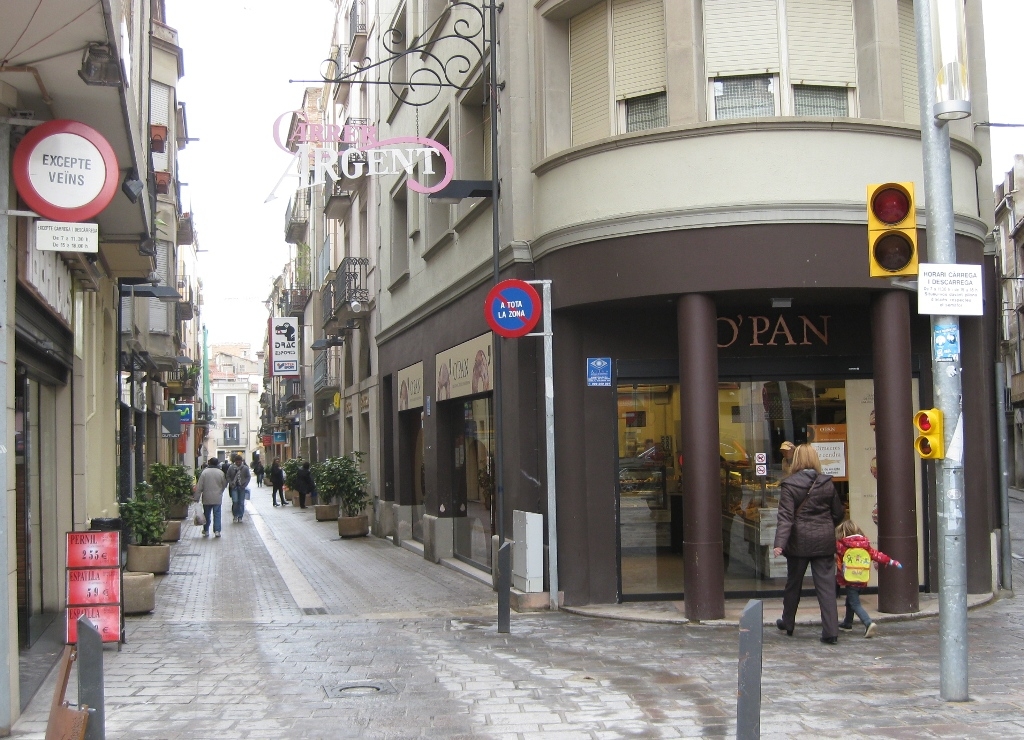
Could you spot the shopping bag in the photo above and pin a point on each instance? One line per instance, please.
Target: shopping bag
(200, 518)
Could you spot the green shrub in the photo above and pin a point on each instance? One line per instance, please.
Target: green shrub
(341, 479)
(171, 483)
(292, 466)
(144, 516)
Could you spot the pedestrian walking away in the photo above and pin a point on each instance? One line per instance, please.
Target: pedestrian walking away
(809, 511)
(238, 481)
(854, 556)
(304, 484)
(277, 481)
(257, 470)
(209, 489)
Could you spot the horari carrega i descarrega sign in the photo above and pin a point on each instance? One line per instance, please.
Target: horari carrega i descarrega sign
(317, 147)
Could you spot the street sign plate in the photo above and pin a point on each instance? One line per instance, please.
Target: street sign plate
(512, 308)
(67, 237)
(187, 411)
(760, 458)
(761, 469)
(949, 290)
(599, 372)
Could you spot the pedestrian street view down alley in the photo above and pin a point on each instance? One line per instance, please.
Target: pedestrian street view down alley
(528, 369)
(279, 629)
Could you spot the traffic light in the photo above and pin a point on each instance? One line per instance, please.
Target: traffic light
(892, 229)
(930, 444)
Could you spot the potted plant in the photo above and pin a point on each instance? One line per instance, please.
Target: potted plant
(329, 478)
(143, 517)
(349, 485)
(173, 485)
(291, 467)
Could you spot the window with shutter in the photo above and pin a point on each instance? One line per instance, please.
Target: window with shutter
(646, 111)
(751, 96)
(816, 100)
(908, 62)
(820, 42)
(638, 38)
(741, 37)
(160, 114)
(158, 309)
(589, 86)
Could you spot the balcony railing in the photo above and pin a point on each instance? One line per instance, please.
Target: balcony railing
(296, 223)
(339, 200)
(1017, 389)
(325, 373)
(294, 300)
(357, 29)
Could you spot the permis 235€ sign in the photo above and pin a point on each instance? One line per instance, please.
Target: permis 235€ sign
(65, 170)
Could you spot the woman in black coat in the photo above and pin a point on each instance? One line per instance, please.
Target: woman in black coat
(304, 484)
(277, 481)
(809, 511)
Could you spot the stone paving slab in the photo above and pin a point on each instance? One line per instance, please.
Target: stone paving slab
(229, 654)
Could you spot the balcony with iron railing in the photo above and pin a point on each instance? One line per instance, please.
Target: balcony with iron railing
(296, 224)
(325, 370)
(294, 300)
(357, 29)
(291, 395)
(339, 199)
(350, 296)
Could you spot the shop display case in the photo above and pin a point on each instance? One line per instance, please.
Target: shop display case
(643, 480)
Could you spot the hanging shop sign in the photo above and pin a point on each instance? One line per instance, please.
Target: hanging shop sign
(170, 424)
(280, 438)
(465, 369)
(320, 154)
(65, 170)
(186, 411)
(410, 387)
(512, 308)
(284, 347)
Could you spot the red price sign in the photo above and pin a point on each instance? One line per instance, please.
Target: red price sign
(100, 586)
(106, 618)
(94, 549)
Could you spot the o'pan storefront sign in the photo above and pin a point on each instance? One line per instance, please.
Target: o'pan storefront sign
(322, 155)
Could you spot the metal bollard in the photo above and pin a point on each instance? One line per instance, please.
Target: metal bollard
(748, 696)
(504, 586)
(90, 678)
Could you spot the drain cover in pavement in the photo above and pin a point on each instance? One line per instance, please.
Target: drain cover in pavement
(314, 610)
(357, 689)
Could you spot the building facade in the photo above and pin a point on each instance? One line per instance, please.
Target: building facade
(699, 208)
(235, 380)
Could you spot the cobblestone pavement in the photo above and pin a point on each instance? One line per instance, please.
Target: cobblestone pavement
(262, 634)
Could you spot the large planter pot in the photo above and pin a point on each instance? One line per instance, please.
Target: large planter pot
(354, 526)
(148, 558)
(177, 511)
(172, 530)
(326, 512)
(139, 593)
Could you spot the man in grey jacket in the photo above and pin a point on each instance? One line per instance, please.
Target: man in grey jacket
(210, 490)
(238, 482)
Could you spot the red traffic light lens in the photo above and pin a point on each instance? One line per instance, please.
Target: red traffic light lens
(890, 205)
(893, 252)
(924, 423)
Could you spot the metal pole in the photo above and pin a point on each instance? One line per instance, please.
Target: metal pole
(549, 439)
(1005, 550)
(504, 558)
(90, 678)
(5, 601)
(949, 474)
(748, 695)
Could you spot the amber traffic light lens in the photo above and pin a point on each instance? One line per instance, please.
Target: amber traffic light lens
(924, 447)
(890, 206)
(893, 252)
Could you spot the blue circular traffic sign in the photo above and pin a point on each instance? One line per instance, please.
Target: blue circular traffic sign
(512, 308)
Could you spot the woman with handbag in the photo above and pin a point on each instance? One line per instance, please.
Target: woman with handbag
(209, 490)
(809, 511)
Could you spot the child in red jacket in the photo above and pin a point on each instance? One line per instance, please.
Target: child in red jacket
(854, 555)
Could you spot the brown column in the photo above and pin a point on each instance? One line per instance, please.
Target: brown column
(894, 449)
(703, 569)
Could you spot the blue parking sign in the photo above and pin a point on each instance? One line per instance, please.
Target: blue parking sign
(599, 372)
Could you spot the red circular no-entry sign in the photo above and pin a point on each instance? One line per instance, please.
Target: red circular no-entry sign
(512, 308)
(65, 170)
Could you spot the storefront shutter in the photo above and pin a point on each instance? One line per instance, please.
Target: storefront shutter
(157, 308)
(908, 63)
(589, 86)
(638, 37)
(741, 37)
(821, 45)
(127, 315)
(160, 114)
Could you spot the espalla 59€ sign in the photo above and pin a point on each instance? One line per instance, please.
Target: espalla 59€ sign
(65, 171)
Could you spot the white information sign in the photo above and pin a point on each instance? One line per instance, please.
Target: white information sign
(949, 290)
(67, 170)
(284, 346)
(58, 236)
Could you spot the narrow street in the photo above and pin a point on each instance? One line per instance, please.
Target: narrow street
(259, 634)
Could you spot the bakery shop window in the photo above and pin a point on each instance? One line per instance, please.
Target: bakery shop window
(649, 494)
(760, 424)
(473, 465)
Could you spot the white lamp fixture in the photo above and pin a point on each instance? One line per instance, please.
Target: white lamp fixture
(949, 60)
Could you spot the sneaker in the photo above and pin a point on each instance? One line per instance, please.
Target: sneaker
(845, 626)
(216, 534)
(869, 631)
(830, 640)
(206, 534)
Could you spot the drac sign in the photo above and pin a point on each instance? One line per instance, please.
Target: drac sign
(318, 148)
